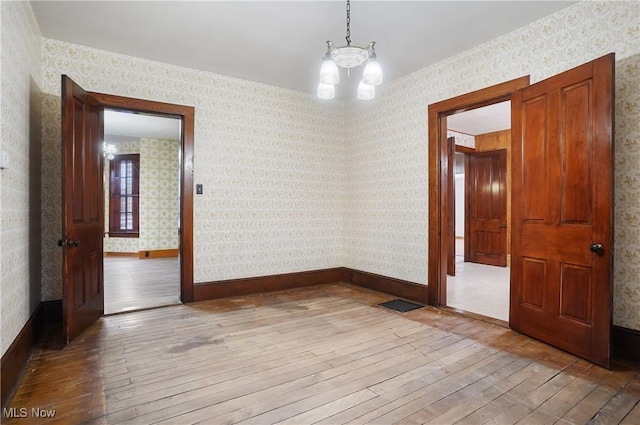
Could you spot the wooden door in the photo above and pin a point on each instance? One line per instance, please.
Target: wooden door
(451, 205)
(562, 202)
(486, 208)
(83, 209)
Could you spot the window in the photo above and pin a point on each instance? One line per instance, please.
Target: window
(124, 200)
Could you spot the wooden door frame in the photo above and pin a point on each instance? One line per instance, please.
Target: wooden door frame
(438, 185)
(187, 116)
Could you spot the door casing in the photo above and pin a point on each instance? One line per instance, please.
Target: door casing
(187, 115)
(438, 177)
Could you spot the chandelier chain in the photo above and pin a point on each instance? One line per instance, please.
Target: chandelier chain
(348, 23)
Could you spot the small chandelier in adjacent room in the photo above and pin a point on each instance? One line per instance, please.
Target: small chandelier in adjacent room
(349, 57)
(109, 150)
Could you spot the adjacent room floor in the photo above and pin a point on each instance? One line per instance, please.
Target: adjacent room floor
(318, 355)
(134, 284)
(478, 288)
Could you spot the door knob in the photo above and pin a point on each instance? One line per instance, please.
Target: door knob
(68, 242)
(597, 248)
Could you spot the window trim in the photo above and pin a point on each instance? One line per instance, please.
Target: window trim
(115, 196)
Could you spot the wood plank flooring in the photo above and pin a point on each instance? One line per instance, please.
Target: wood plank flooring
(135, 284)
(317, 355)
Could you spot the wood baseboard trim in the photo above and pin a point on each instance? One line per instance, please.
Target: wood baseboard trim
(50, 314)
(121, 254)
(625, 344)
(271, 283)
(397, 287)
(158, 253)
(16, 357)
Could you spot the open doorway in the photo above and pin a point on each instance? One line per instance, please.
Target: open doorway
(142, 210)
(478, 275)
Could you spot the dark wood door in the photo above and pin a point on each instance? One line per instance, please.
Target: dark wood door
(451, 205)
(562, 202)
(83, 209)
(486, 208)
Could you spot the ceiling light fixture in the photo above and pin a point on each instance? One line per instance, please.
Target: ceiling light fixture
(349, 57)
(109, 150)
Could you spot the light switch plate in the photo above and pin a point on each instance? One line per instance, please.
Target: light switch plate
(198, 189)
(4, 160)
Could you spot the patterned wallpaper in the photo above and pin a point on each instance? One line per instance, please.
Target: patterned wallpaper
(386, 222)
(288, 185)
(159, 194)
(271, 161)
(159, 203)
(462, 139)
(20, 104)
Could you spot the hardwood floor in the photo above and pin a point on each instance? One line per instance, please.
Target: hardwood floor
(134, 284)
(317, 355)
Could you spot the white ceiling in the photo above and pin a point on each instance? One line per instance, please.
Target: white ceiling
(128, 124)
(483, 120)
(282, 42)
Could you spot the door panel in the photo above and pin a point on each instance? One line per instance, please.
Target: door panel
(562, 199)
(82, 202)
(486, 189)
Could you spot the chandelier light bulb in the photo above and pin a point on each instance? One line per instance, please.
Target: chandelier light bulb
(329, 72)
(366, 91)
(326, 91)
(372, 73)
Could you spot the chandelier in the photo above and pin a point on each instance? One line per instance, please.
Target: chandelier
(349, 57)
(109, 150)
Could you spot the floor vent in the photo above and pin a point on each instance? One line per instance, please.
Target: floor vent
(400, 305)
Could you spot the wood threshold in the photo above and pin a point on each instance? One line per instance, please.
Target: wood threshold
(475, 316)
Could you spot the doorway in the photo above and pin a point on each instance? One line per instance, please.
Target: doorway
(440, 177)
(478, 274)
(82, 123)
(142, 210)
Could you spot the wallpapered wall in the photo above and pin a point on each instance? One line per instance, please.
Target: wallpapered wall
(279, 196)
(159, 208)
(159, 203)
(271, 161)
(386, 226)
(462, 139)
(20, 183)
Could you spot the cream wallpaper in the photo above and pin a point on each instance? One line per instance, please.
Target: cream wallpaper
(386, 222)
(462, 139)
(21, 80)
(271, 161)
(292, 183)
(159, 203)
